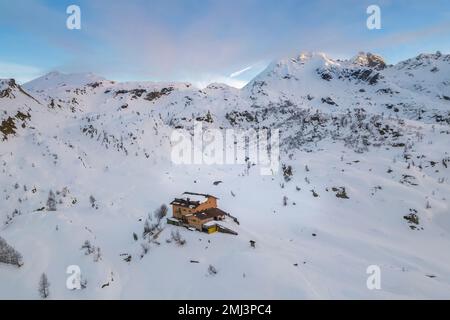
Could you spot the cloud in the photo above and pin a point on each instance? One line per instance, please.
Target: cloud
(179, 40)
(414, 35)
(21, 73)
(238, 73)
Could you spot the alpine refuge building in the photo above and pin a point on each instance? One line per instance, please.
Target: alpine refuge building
(197, 210)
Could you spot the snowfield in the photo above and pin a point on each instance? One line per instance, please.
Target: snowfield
(364, 180)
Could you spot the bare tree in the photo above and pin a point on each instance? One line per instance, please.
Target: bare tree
(161, 212)
(44, 286)
(177, 238)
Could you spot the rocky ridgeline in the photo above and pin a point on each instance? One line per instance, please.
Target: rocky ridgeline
(361, 102)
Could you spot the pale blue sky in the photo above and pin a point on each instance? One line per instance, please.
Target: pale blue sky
(207, 40)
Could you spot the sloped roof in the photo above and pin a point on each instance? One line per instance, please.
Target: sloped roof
(200, 194)
(210, 214)
(185, 203)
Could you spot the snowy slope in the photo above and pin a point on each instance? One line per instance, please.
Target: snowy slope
(56, 80)
(366, 142)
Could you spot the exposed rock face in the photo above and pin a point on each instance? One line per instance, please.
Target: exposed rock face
(6, 87)
(370, 60)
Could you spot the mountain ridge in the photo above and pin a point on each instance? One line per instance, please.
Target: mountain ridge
(362, 59)
(363, 180)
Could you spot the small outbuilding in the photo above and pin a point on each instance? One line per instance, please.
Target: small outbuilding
(210, 227)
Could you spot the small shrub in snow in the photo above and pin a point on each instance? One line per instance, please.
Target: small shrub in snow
(83, 283)
(90, 249)
(65, 192)
(93, 202)
(413, 219)
(145, 248)
(97, 254)
(9, 218)
(51, 201)
(177, 238)
(287, 172)
(212, 270)
(340, 192)
(87, 247)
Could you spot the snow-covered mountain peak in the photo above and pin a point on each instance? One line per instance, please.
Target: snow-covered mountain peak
(317, 57)
(426, 73)
(55, 80)
(8, 83)
(425, 60)
(216, 88)
(11, 90)
(367, 59)
(313, 74)
(293, 68)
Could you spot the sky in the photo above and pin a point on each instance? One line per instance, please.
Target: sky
(204, 41)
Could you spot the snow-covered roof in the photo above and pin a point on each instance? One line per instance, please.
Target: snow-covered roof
(209, 224)
(210, 213)
(199, 196)
(187, 203)
(191, 199)
(195, 198)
